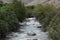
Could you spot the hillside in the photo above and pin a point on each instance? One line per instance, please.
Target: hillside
(34, 2)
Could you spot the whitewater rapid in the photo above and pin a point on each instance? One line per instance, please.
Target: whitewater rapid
(29, 27)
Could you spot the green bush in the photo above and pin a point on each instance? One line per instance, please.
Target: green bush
(49, 16)
(10, 16)
(44, 13)
(1, 3)
(29, 10)
(19, 9)
(4, 28)
(54, 27)
(8, 20)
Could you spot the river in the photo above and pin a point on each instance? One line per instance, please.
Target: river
(29, 31)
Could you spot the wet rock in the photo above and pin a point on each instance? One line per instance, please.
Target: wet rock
(44, 29)
(32, 39)
(35, 39)
(11, 35)
(39, 27)
(31, 34)
(22, 24)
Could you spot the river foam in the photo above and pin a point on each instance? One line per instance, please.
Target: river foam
(30, 27)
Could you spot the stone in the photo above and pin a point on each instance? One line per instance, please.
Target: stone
(31, 34)
(39, 27)
(35, 39)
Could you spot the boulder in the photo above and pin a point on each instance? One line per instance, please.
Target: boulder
(31, 34)
(35, 39)
(39, 27)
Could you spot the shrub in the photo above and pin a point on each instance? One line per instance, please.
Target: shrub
(44, 13)
(29, 10)
(49, 16)
(8, 20)
(19, 9)
(1, 3)
(54, 27)
(10, 16)
(4, 28)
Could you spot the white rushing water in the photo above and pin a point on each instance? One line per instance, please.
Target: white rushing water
(29, 29)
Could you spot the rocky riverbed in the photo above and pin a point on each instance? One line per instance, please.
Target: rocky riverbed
(29, 31)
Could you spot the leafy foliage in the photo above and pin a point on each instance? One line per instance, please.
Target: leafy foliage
(10, 16)
(29, 10)
(49, 16)
(1, 3)
(19, 9)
